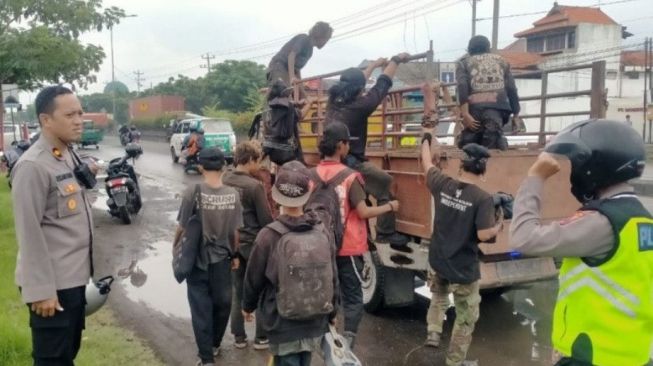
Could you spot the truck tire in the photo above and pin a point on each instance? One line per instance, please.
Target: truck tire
(173, 155)
(372, 282)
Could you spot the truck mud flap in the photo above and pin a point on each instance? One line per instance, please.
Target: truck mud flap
(416, 259)
(398, 287)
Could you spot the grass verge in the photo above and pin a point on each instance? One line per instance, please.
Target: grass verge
(104, 342)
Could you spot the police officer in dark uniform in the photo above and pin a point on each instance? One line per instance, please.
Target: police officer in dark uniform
(54, 230)
(604, 312)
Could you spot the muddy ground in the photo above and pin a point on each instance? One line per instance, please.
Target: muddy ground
(514, 327)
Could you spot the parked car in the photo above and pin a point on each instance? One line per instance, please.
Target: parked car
(217, 132)
(10, 134)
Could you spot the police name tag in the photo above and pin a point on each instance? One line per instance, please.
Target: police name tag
(645, 236)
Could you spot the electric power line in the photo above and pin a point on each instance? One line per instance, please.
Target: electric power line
(546, 11)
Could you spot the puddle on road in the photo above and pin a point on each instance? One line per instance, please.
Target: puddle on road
(150, 281)
(98, 199)
(172, 215)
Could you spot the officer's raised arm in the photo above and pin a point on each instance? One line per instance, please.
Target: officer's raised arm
(584, 233)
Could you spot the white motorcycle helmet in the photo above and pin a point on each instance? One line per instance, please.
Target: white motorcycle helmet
(97, 294)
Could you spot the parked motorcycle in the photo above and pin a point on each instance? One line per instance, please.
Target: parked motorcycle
(122, 185)
(10, 158)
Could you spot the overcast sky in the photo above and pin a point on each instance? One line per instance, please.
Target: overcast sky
(167, 37)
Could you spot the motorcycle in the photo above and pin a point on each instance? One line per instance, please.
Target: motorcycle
(192, 164)
(121, 185)
(125, 138)
(10, 158)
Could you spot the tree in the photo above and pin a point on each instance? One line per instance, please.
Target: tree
(103, 102)
(232, 83)
(39, 41)
(193, 90)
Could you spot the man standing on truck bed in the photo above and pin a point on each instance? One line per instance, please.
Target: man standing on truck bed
(349, 104)
(604, 312)
(487, 95)
(288, 63)
(464, 217)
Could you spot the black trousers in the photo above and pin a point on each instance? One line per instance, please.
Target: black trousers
(490, 133)
(237, 320)
(209, 297)
(294, 359)
(351, 290)
(56, 340)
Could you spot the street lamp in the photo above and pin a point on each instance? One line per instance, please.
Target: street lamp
(113, 70)
(113, 73)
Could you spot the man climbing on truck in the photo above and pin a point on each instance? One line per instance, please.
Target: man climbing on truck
(464, 217)
(487, 95)
(351, 105)
(288, 63)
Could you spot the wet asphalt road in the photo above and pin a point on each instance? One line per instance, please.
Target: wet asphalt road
(513, 329)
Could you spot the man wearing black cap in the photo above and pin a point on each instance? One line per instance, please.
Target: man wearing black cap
(209, 285)
(487, 95)
(350, 105)
(270, 290)
(464, 217)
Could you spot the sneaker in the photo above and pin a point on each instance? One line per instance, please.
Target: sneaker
(216, 351)
(261, 344)
(395, 239)
(350, 337)
(240, 342)
(469, 363)
(432, 340)
(199, 363)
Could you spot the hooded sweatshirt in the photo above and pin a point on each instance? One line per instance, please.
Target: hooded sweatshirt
(261, 284)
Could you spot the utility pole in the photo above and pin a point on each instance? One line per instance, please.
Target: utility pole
(208, 57)
(139, 79)
(495, 25)
(474, 17)
(645, 104)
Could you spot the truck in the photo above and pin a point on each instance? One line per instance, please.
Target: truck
(394, 278)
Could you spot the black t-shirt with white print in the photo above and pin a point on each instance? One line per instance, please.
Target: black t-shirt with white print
(461, 209)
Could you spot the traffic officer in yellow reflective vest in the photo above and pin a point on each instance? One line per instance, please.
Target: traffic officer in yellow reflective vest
(604, 312)
(53, 228)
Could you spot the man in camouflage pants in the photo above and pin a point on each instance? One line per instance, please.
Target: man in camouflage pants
(464, 217)
(466, 300)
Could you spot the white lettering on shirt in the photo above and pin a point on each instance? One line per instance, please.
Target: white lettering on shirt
(453, 202)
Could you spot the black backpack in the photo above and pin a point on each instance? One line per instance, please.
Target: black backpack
(325, 203)
(305, 264)
(279, 119)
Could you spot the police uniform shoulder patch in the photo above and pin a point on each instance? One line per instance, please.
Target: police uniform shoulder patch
(575, 217)
(645, 236)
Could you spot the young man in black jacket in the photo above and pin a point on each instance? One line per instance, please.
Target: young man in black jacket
(256, 215)
(292, 341)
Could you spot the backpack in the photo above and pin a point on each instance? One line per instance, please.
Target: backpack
(305, 272)
(279, 120)
(325, 203)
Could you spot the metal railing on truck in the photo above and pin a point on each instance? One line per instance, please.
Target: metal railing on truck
(388, 121)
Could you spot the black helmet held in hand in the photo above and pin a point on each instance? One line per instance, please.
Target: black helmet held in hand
(602, 153)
